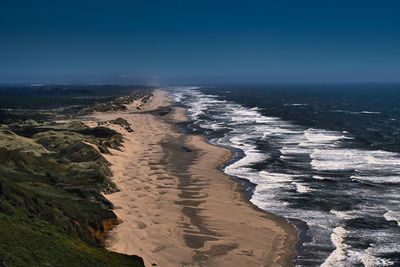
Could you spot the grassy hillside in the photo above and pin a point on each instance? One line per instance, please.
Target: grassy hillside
(52, 212)
(29, 241)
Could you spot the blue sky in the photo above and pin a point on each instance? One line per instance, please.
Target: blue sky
(199, 41)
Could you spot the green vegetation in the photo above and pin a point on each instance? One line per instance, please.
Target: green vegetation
(28, 241)
(120, 122)
(52, 212)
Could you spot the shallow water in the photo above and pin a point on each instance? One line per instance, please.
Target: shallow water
(331, 160)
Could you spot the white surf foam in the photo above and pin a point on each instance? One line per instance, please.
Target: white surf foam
(370, 260)
(328, 155)
(295, 104)
(365, 112)
(302, 188)
(377, 179)
(338, 257)
(345, 215)
(392, 216)
(318, 177)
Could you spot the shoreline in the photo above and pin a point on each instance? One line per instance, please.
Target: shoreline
(177, 207)
(297, 226)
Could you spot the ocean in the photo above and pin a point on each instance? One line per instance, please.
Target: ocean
(324, 156)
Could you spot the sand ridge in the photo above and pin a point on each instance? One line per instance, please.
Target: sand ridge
(176, 208)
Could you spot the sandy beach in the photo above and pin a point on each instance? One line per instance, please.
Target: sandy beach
(176, 208)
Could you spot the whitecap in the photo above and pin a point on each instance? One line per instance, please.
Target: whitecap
(370, 260)
(377, 179)
(338, 257)
(345, 215)
(318, 177)
(327, 153)
(302, 188)
(295, 104)
(392, 216)
(365, 112)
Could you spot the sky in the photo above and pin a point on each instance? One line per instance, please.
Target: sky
(123, 41)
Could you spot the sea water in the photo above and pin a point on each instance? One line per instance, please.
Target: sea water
(328, 155)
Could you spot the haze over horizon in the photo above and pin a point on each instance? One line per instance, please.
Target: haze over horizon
(164, 42)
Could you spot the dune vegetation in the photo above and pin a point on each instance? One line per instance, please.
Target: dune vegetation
(52, 208)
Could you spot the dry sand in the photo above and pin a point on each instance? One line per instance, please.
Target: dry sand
(176, 208)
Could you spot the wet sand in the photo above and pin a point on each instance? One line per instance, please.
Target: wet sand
(176, 207)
